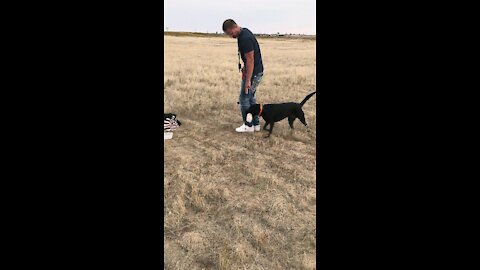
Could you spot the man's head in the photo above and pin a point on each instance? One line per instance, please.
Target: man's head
(231, 28)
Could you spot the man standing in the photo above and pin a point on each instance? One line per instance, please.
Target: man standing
(252, 71)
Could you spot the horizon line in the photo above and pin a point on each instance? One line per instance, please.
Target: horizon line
(220, 33)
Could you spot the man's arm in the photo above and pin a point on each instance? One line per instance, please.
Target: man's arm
(249, 56)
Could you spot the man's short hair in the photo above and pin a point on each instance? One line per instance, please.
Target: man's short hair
(228, 24)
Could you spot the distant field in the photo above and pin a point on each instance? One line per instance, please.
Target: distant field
(198, 34)
(238, 201)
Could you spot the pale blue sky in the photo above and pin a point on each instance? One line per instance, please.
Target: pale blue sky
(260, 16)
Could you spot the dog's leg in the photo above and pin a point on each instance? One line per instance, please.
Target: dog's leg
(265, 126)
(291, 119)
(301, 116)
(271, 129)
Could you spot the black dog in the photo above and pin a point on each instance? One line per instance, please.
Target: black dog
(171, 116)
(272, 113)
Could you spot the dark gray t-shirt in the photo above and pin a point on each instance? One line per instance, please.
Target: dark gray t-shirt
(247, 43)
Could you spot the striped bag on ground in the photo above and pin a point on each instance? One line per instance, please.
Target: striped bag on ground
(169, 125)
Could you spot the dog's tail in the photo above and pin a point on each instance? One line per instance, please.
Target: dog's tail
(307, 98)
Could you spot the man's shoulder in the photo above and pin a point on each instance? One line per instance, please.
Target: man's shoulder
(246, 37)
(248, 32)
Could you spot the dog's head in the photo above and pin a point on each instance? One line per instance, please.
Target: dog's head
(254, 110)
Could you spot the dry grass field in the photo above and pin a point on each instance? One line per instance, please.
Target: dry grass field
(238, 201)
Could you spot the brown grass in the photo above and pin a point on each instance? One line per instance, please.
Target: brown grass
(238, 201)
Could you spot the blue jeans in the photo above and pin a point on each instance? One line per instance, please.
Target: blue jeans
(247, 100)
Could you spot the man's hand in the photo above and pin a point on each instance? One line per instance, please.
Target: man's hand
(247, 86)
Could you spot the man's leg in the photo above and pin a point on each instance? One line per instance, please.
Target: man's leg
(256, 80)
(244, 101)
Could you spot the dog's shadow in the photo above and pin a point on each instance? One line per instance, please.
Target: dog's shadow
(293, 135)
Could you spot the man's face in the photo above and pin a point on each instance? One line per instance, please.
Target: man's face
(233, 31)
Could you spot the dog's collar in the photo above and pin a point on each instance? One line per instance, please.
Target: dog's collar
(261, 109)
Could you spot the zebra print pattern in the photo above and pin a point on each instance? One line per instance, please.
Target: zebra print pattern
(170, 125)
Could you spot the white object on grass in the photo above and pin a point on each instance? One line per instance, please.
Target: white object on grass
(249, 117)
(167, 135)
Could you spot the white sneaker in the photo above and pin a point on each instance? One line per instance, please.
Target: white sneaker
(257, 128)
(245, 128)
